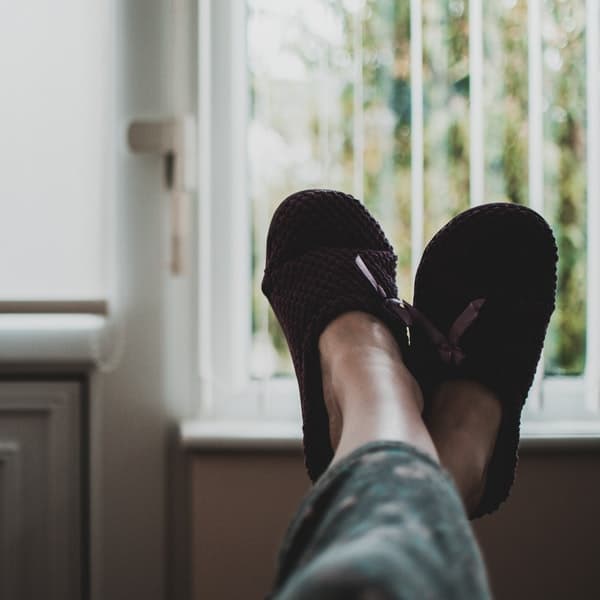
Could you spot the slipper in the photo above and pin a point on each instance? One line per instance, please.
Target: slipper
(484, 293)
(326, 255)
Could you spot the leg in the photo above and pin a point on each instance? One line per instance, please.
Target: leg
(369, 393)
(384, 521)
(463, 420)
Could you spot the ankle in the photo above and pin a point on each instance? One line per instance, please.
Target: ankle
(368, 391)
(361, 361)
(350, 335)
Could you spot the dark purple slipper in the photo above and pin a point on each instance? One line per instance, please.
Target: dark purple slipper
(484, 294)
(326, 255)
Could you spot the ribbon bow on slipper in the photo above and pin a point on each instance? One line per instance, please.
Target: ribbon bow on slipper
(448, 347)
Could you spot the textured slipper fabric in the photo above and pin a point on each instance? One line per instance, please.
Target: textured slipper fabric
(311, 277)
(505, 254)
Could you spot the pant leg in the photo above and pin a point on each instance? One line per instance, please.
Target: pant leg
(386, 522)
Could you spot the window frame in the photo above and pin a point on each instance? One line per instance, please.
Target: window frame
(223, 294)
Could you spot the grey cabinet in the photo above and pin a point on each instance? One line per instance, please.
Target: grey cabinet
(40, 490)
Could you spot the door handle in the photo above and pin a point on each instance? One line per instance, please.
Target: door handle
(175, 140)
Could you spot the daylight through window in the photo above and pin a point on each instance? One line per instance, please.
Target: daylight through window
(492, 95)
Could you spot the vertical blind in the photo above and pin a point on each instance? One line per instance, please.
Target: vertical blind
(422, 109)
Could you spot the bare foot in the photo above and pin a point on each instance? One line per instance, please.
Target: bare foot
(369, 393)
(463, 420)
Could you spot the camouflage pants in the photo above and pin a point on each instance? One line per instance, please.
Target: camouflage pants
(386, 522)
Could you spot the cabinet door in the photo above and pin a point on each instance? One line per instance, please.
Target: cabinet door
(40, 490)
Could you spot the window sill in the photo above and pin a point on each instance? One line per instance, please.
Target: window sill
(560, 435)
(41, 338)
(240, 435)
(287, 435)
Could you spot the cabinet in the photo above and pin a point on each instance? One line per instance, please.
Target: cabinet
(41, 549)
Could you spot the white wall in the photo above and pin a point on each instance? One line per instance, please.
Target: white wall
(135, 408)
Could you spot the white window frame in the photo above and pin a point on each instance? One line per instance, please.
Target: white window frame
(222, 383)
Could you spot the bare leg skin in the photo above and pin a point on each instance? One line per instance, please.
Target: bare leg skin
(391, 524)
(369, 393)
(463, 421)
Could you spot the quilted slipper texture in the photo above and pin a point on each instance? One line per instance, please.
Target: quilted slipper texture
(311, 277)
(505, 254)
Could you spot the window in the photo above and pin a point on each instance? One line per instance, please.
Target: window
(421, 109)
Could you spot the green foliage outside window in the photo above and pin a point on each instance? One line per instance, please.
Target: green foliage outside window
(303, 127)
